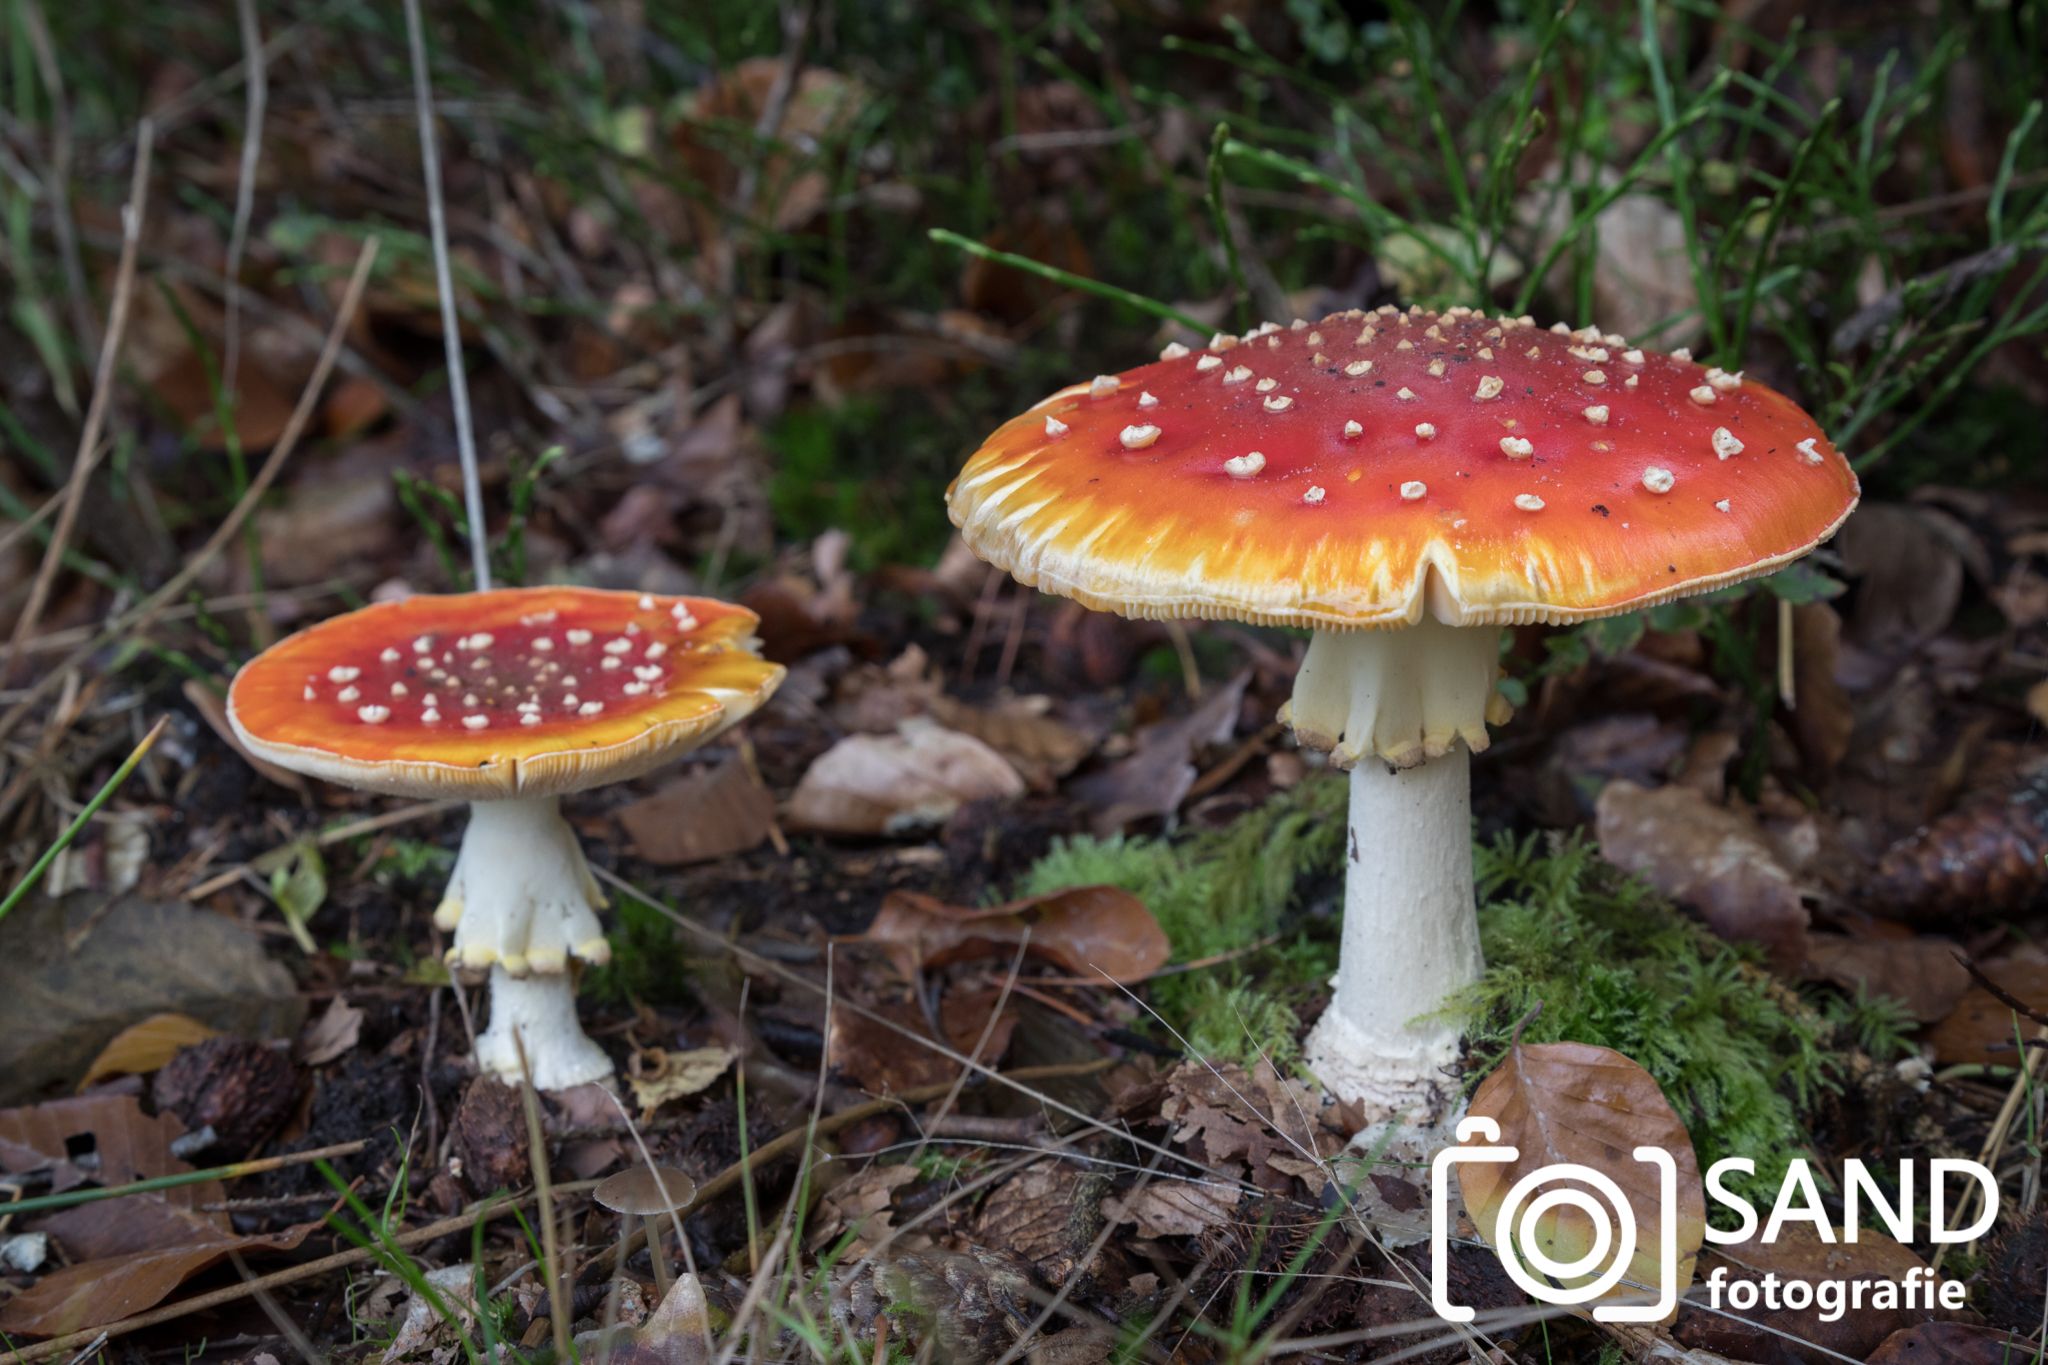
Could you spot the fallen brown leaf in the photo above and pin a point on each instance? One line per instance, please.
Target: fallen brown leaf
(1170, 1206)
(1984, 1030)
(1776, 1338)
(881, 1060)
(890, 784)
(1576, 1103)
(1953, 1343)
(659, 1075)
(1086, 930)
(1920, 973)
(145, 1046)
(707, 815)
(1160, 771)
(331, 1035)
(113, 1287)
(1712, 858)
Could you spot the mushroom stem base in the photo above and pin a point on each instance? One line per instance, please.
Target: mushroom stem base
(1411, 939)
(541, 1012)
(1399, 696)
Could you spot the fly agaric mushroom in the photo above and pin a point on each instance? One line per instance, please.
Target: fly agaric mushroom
(509, 699)
(1403, 484)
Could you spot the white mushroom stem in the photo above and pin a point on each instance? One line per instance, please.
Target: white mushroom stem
(1403, 710)
(522, 903)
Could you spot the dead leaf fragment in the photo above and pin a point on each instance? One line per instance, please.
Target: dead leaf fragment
(1797, 1253)
(1170, 1206)
(331, 1035)
(890, 784)
(1712, 858)
(143, 1047)
(1920, 973)
(1589, 1106)
(1087, 930)
(659, 1075)
(1160, 771)
(701, 817)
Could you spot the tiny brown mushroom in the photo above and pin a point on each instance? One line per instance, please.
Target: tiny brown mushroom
(652, 1193)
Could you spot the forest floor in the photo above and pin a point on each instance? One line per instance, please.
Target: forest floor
(733, 303)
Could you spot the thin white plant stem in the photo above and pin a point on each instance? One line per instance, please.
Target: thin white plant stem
(451, 334)
(257, 100)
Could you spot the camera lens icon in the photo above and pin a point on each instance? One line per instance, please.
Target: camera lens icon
(1544, 1193)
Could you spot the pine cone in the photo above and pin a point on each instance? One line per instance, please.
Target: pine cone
(1989, 859)
(239, 1088)
(491, 1138)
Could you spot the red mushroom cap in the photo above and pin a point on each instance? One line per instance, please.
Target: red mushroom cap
(1353, 472)
(514, 693)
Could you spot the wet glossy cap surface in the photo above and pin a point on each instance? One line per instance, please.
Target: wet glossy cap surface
(516, 692)
(1358, 471)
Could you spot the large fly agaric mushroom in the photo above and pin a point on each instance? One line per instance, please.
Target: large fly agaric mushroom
(508, 699)
(1403, 484)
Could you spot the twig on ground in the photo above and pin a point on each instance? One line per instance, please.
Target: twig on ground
(146, 612)
(258, 97)
(87, 458)
(232, 1171)
(781, 1146)
(451, 333)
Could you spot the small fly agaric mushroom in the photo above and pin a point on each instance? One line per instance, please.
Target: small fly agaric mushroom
(1404, 484)
(509, 699)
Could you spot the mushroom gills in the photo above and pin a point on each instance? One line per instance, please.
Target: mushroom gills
(1401, 696)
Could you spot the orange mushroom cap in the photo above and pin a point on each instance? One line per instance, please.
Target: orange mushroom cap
(1350, 473)
(520, 692)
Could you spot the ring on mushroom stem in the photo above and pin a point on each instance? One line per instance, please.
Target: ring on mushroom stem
(505, 698)
(1467, 482)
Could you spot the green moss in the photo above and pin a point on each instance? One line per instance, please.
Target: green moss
(1612, 963)
(1615, 965)
(1215, 893)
